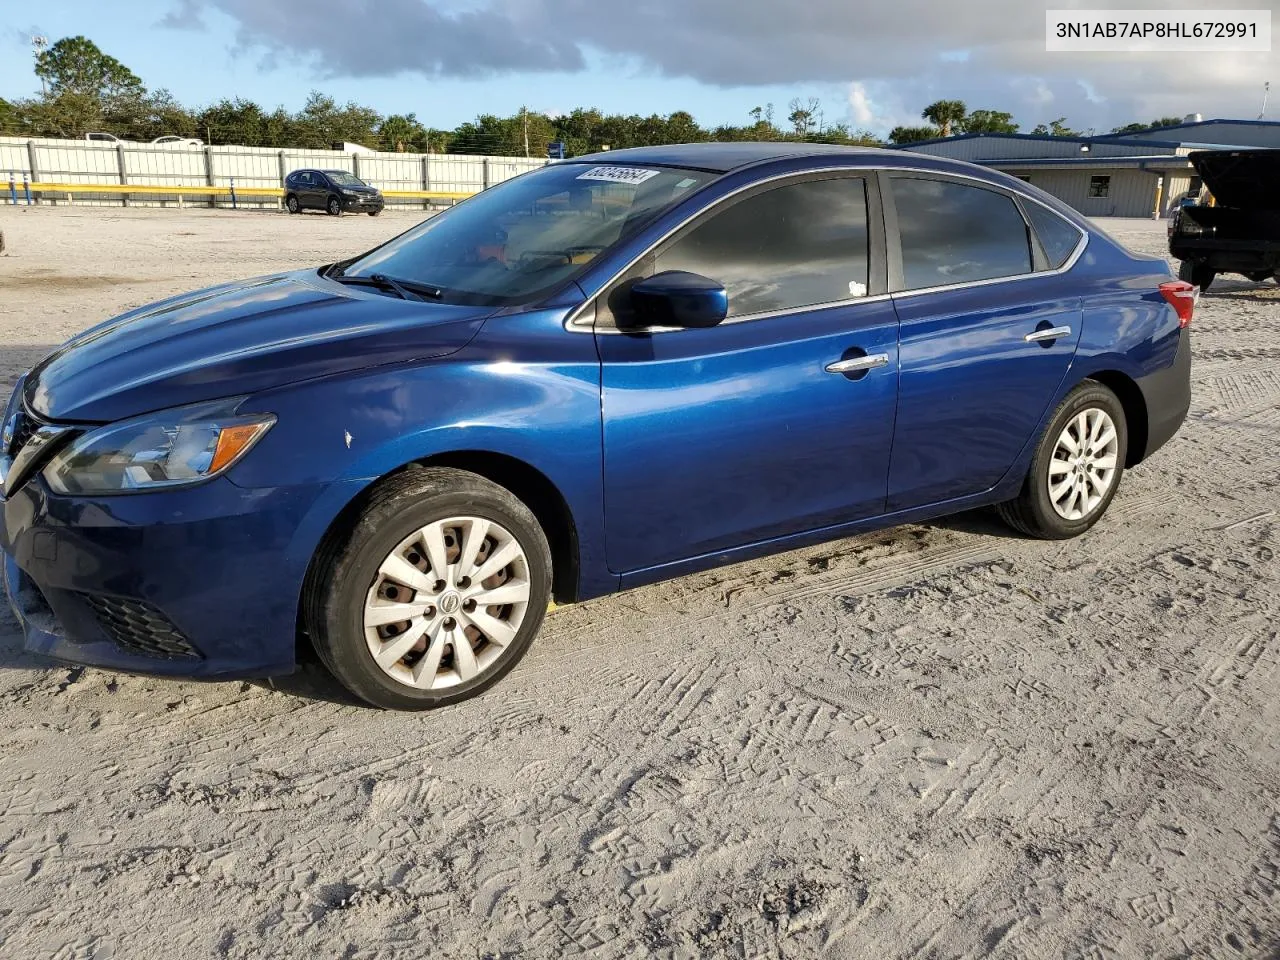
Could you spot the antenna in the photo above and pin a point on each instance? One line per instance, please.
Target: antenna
(38, 43)
(1266, 92)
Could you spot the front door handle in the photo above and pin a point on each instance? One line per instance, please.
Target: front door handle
(858, 364)
(1052, 333)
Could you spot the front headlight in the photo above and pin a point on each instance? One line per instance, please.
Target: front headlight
(167, 449)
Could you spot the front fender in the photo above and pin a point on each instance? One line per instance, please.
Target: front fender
(525, 389)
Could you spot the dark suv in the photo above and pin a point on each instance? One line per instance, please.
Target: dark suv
(332, 191)
(1240, 233)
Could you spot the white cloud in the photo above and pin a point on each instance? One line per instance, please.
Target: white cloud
(895, 49)
(860, 109)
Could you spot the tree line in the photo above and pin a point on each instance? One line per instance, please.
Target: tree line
(86, 90)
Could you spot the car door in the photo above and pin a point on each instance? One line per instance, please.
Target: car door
(318, 192)
(776, 421)
(303, 188)
(989, 327)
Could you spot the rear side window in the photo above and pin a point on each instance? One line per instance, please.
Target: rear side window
(1058, 237)
(793, 246)
(953, 233)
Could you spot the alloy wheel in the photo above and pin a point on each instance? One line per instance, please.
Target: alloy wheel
(1084, 464)
(446, 602)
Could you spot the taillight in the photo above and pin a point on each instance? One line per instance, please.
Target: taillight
(1182, 296)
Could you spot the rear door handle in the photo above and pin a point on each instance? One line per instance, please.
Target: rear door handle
(856, 364)
(1053, 333)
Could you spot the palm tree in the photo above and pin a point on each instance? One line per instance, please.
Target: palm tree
(944, 113)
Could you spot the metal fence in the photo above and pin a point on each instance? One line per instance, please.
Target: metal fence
(257, 173)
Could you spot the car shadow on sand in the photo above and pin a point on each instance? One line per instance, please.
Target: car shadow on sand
(310, 681)
(982, 522)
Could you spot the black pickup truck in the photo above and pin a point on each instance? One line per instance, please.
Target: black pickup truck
(1241, 232)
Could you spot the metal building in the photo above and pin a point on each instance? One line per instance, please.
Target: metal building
(1143, 174)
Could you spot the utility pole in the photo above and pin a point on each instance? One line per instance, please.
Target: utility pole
(524, 115)
(1266, 92)
(38, 43)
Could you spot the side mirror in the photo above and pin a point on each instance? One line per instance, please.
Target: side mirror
(676, 298)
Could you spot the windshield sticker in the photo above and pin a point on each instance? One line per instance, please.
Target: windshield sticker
(619, 174)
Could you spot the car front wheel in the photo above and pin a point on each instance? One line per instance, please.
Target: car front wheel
(1077, 467)
(433, 594)
(334, 206)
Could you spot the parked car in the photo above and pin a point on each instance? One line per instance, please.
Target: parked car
(332, 191)
(182, 141)
(610, 371)
(103, 137)
(1240, 232)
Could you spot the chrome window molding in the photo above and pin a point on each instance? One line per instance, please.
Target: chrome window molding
(746, 317)
(579, 322)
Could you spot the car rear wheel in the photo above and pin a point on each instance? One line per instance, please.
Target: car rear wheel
(1196, 273)
(433, 594)
(291, 202)
(1077, 467)
(374, 213)
(334, 207)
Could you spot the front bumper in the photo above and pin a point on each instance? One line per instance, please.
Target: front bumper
(363, 204)
(203, 582)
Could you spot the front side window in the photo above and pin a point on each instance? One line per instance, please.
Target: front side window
(1099, 187)
(519, 240)
(792, 246)
(954, 233)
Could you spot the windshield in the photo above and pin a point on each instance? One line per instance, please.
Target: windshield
(511, 243)
(342, 178)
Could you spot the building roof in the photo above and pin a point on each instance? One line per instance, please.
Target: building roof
(1190, 125)
(1028, 136)
(1164, 160)
(720, 157)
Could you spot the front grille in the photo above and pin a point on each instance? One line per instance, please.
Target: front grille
(138, 627)
(24, 426)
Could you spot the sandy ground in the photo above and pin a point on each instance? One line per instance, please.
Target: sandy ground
(938, 740)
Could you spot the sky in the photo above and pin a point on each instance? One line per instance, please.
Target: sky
(873, 64)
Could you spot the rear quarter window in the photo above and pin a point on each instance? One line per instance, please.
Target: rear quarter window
(1058, 237)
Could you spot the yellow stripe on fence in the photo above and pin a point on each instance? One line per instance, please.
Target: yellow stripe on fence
(126, 189)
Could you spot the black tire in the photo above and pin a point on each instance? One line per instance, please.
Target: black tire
(334, 207)
(345, 566)
(1031, 512)
(1196, 273)
(374, 213)
(1259, 276)
(291, 204)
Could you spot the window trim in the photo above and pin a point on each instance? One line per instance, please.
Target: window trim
(1018, 198)
(582, 319)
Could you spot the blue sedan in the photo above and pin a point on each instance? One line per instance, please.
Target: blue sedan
(608, 372)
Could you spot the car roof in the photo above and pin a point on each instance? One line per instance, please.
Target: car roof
(724, 157)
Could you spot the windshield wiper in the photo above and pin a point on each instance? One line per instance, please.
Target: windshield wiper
(406, 289)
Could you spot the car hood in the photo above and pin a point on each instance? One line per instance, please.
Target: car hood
(1247, 179)
(237, 339)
